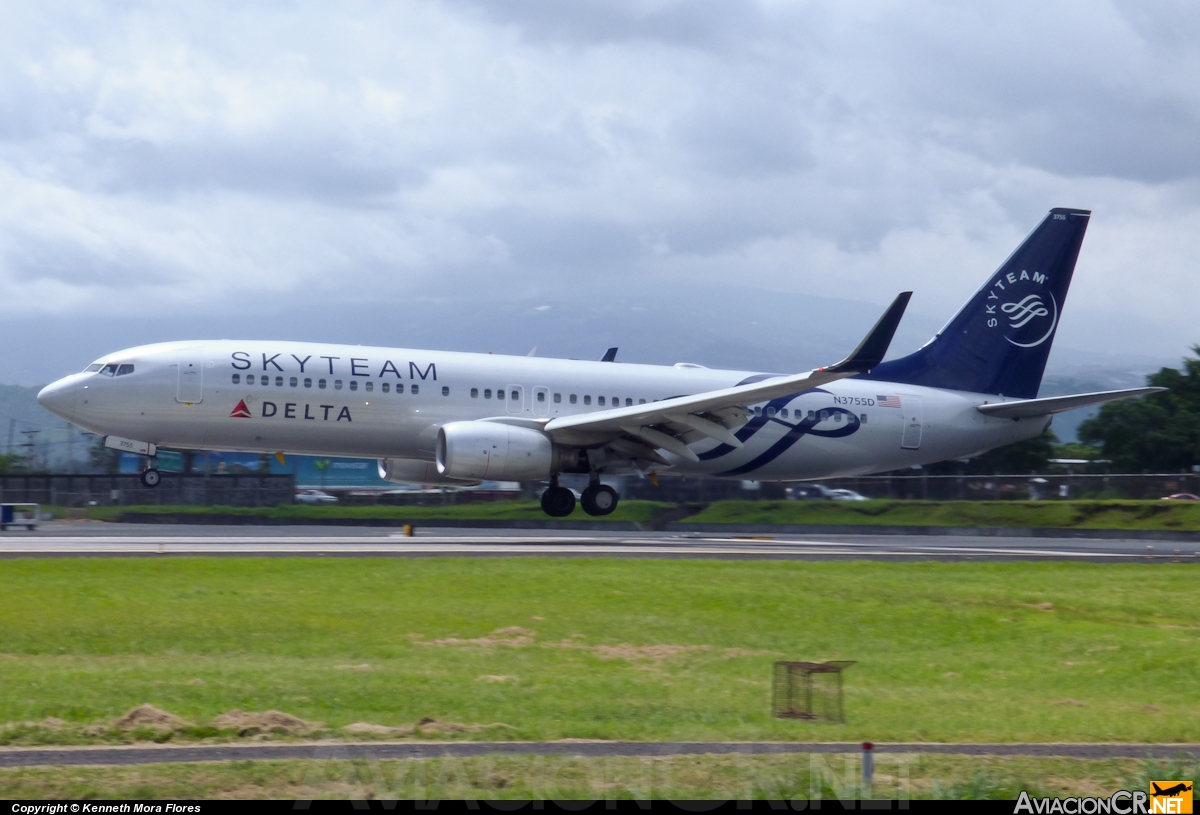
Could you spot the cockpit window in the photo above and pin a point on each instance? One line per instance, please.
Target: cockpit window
(109, 370)
(91, 369)
(124, 369)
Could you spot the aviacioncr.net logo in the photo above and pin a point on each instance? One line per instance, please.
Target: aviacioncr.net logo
(1019, 305)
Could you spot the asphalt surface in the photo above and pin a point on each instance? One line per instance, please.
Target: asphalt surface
(32, 757)
(81, 538)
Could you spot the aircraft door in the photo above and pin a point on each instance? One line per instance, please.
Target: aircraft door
(541, 401)
(911, 405)
(516, 399)
(190, 388)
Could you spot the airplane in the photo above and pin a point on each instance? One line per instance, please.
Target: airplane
(444, 418)
(1170, 792)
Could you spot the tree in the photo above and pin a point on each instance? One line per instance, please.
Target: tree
(1157, 433)
(102, 459)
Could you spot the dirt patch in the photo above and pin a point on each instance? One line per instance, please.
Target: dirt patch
(1151, 709)
(735, 653)
(197, 682)
(497, 678)
(512, 637)
(149, 716)
(53, 722)
(368, 729)
(1069, 703)
(1039, 606)
(270, 721)
(629, 652)
(363, 667)
(432, 726)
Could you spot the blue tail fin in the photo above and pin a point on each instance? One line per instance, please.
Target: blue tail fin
(998, 342)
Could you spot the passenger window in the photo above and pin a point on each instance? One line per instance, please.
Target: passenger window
(474, 393)
(237, 378)
(811, 415)
(557, 398)
(499, 393)
(599, 400)
(337, 384)
(415, 389)
(307, 382)
(124, 369)
(487, 393)
(369, 385)
(321, 384)
(824, 415)
(616, 400)
(770, 412)
(863, 418)
(514, 396)
(265, 380)
(628, 401)
(783, 413)
(837, 418)
(353, 384)
(293, 382)
(641, 401)
(541, 396)
(109, 370)
(249, 379)
(445, 390)
(386, 387)
(587, 400)
(757, 410)
(574, 399)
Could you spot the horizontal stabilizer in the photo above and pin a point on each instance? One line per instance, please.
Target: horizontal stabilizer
(1024, 408)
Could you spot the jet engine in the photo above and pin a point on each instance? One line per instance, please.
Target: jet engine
(414, 471)
(493, 451)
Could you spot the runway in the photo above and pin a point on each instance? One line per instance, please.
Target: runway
(91, 539)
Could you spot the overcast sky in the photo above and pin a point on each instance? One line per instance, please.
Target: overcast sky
(173, 170)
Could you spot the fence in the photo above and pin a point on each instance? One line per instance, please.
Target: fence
(1021, 487)
(125, 490)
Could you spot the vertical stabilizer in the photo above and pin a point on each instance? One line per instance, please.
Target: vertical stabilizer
(999, 341)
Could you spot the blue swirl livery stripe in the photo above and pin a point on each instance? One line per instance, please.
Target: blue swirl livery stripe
(796, 432)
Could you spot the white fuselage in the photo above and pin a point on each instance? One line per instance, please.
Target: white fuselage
(349, 400)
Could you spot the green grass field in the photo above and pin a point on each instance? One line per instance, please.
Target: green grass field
(1154, 515)
(1182, 515)
(556, 778)
(602, 648)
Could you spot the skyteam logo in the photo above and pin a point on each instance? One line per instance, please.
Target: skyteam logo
(1020, 305)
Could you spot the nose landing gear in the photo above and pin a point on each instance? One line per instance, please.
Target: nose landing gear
(151, 476)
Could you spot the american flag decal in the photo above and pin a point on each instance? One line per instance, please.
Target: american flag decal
(888, 401)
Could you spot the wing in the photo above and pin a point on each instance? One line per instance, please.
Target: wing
(1023, 408)
(671, 424)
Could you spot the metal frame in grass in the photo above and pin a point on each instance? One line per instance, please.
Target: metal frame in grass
(808, 690)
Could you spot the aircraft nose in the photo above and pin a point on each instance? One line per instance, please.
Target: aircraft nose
(59, 398)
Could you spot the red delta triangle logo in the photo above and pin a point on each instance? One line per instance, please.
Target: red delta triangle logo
(241, 411)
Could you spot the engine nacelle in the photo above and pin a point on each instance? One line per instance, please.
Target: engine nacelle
(493, 451)
(413, 471)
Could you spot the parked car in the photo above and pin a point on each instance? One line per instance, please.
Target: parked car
(1181, 496)
(819, 492)
(314, 497)
(846, 495)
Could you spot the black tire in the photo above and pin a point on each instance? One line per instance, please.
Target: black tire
(151, 477)
(558, 502)
(599, 499)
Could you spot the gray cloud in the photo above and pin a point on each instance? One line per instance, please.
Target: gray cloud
(256, 160)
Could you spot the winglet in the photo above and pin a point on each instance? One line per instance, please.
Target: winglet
(610, 355)
(871, 350)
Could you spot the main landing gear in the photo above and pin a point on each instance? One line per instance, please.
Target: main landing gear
(558, 502)
(597, 499)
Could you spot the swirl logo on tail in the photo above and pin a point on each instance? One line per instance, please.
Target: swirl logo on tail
(1024, 311)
